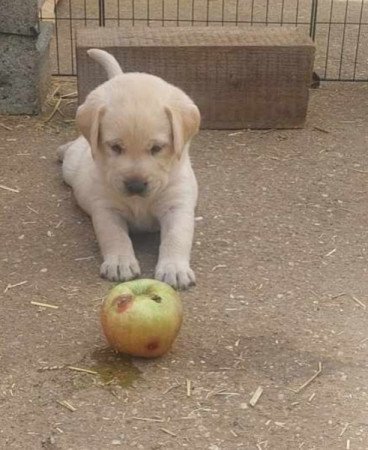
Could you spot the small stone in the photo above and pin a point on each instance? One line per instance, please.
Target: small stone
(44, 270)
(243, 405)
(116, 442)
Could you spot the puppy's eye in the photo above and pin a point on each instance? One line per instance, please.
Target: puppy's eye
(155, 149)
(117, 148)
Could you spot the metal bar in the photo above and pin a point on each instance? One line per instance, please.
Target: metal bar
(85, 11)
(344, 80)
(313, 19)
(267, 11)
(282, 12)
(101, 13)
(329, 37)
(258, 22)
(252, 13)
(213, 21)
(358, 38)
(343, 36)
(297, 13)
(57, 37)
(71, 35)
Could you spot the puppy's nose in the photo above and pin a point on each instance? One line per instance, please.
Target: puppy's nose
(136, 186)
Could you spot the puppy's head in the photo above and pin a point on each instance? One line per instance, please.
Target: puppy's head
(138, 127)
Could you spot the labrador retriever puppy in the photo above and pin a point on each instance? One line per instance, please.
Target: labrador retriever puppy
(130, 170)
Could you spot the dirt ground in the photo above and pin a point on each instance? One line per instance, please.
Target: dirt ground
(280, 255)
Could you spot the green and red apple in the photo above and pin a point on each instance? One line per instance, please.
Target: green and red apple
(142, 317)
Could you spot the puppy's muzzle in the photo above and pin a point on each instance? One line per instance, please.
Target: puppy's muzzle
(136, 187)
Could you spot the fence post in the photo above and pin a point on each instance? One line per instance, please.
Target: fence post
(101, 13)
(313, 19)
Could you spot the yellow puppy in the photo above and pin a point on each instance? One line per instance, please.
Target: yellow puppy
(130, 169)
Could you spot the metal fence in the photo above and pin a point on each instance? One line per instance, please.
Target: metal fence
(339, 27)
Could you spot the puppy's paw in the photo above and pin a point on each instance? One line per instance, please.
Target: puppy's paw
(176, 273)
(120, 268)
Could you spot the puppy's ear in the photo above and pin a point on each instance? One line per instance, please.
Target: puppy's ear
(185, 120)
(88, 121)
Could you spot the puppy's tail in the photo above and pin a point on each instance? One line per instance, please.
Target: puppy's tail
(107, 61)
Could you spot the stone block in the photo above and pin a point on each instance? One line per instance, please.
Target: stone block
(24, 71)
(19, 17)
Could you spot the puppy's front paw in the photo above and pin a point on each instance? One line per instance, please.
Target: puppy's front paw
(120, 268)
(178, 274)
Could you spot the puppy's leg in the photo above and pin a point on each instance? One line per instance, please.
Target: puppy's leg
(177, 227)
(62, 149)
(60, 152)
(116, 247)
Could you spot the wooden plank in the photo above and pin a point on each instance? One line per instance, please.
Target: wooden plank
(239, 77)
(47, 8)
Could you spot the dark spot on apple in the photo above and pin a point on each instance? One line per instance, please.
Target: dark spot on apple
(156, 298)
(152, 345)
(123, 302)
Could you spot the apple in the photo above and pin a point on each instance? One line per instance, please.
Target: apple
(142, 317)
